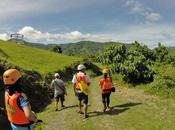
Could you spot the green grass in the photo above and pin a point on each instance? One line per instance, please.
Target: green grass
(172, 52)
(36, 59)
(159, 86)
(132, 110)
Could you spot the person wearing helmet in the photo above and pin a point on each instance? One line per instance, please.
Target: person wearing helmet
(59, 90)
(106, 84)
(81, 81)
(18, 108)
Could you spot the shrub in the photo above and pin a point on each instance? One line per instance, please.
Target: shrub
(135, 63)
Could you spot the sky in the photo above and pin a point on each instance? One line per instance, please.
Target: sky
(64, 21)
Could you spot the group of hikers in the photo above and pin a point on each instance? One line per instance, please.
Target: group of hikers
(19, 110)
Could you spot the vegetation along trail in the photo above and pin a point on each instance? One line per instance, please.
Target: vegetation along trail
(132, 110)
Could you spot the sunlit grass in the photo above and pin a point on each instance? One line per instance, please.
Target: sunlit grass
(36, 59)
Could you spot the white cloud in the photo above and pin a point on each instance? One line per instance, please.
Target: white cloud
(35, 35)
(148, 34)
(31, 33)
(153, 17)
(75, 35)
(139, 8)
(135, 6)
(4, 36)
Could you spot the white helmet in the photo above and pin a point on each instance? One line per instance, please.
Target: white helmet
(81, 67)
(57, 75)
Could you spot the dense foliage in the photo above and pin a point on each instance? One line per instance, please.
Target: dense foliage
(136, 63)
(114, 56)
(57, 49)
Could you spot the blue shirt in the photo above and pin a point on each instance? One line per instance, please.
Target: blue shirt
(23, 101)
(14, 127)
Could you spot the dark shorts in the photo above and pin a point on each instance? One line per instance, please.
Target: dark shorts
(106, 98)
(83, 97)
(59, 97)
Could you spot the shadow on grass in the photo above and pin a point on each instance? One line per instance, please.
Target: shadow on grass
(71, 106)
(115, 111)
(111, 112)
(128, 104)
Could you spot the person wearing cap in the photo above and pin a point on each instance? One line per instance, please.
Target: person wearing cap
(17, 106)
(81, 82)
(59, 90)
(106, 84)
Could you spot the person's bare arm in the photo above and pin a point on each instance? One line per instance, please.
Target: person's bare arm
(65, 90)
(30, 114)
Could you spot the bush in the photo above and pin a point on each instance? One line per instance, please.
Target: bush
(114, 55)
(162, 55)
(135, 63)
(137, 67)
(165, 77)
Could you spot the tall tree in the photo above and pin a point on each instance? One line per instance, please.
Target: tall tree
(57, 49)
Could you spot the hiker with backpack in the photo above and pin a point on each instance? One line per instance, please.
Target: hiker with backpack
(17, 105)
(106, 88)
(59, 91)
(81, 82)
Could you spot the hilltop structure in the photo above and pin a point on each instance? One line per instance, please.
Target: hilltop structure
(18, 38)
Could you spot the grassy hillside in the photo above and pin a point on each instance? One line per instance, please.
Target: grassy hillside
(82, 47)
(35, 86)
(172, 51)
(36, 59)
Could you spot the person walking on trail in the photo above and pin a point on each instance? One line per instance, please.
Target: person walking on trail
(59, 90)
(106, 84)
(18, 108)
(81, 82)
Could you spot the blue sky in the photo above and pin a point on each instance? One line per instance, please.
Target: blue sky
(62, 21)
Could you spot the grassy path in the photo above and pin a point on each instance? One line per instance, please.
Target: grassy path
(132, 110)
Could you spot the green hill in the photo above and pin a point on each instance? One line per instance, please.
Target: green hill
(82, 47)
(30, 58)
(172, 51)
(85, 47)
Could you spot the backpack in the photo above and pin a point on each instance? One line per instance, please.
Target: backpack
(81, 82)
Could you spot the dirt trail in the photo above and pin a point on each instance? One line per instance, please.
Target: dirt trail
(132, 110)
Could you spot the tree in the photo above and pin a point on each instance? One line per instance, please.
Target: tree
(57, 49)
(113, 56)
(161, 53)
(135, 63)
(138, 64)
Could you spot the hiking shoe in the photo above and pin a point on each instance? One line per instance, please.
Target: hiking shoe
(56, 109)
(109, 108)
(80, 112)
(62, 106)
(104, 109)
